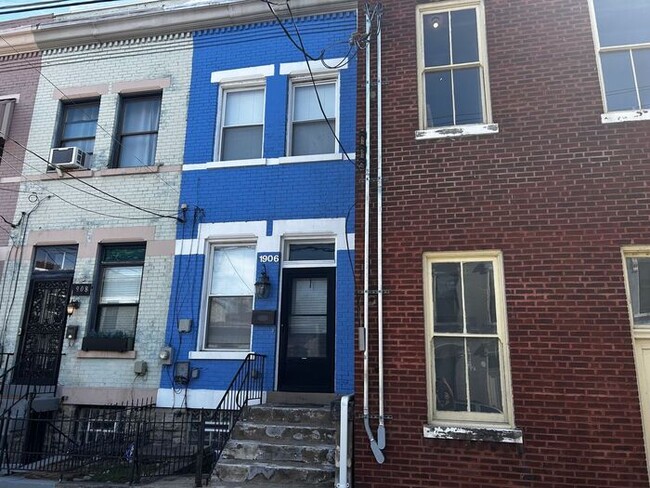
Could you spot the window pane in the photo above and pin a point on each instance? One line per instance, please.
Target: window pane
(118, 319)
(638, 271)
(307, 336)
(446, 296)
(55, 258)
(117, 254)
(305, 104)
(140, 115)
(233, 271)
(309, 296)
(480, 306)
(242, 143)
(121, 284)
(244, 108)
(137, 150)
(438, 99)
(642, 68)
(86, 145)
(313, 138)
(436, 39)
(619, 81)
(464, 39)
(80, 126)
(622, 22)
(81, 112)
(311, 252)
(467, 93)
(229, 323)
(451, 393)
(484, 377)
(79, 130)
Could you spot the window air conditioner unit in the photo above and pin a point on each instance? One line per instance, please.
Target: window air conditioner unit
(68, 158)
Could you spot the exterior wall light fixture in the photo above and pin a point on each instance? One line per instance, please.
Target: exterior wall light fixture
(263, 285)
(72, 306)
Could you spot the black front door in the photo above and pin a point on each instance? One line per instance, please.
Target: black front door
(43, 328)
(307, 330)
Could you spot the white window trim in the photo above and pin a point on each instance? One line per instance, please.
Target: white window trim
(302, 68)
(224, 89)
(316, 80)
(468, 421)
(627, 252)
(201, 351)
(489, 127)
(613, 117)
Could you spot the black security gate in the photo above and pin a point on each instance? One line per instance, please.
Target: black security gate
(44, 322)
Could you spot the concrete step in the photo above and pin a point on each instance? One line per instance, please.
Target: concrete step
(275, 452)
(316, 415)
(283, 433)
(299, 398)
(281, 474)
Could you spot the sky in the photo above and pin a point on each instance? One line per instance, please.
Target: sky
(5, 4)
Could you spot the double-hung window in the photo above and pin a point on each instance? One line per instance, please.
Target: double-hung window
(452, 65)
(638, 282)
(231, 285)
(6, 113)
(138, 130)
(241, 127)
(467, 358)
(120, 279)
(313, 118)
(622, 34)
(79, 125)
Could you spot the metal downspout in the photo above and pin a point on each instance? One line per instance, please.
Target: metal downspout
(379, 456)
(381, 430)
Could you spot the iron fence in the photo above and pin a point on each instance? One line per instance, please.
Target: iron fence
(126, 443)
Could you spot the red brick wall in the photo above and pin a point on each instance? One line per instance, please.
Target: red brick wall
(18, 75)
(559, 193)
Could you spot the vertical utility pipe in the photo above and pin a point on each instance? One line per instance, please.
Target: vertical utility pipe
(344, 435)
(381, 430)
(379, 456)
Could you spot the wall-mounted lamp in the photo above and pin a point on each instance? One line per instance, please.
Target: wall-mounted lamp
(263, 285)
(72, 306)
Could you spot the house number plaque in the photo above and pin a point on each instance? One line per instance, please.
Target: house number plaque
(81, 289)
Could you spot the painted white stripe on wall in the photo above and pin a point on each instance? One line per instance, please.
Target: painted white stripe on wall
(168, 398)
(225, 231)
(300, 67)
(242, 74)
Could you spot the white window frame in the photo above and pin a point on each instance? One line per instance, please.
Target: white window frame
(440, 420)
(631, 252)
(608, 116)
(487, 126)
(224, 90)
(202, 351)
(302, 81)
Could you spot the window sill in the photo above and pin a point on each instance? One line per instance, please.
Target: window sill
(507, 435)
(456, 131)
(313, 158)
(238, 163)
(106, 355)
(239, 355)
(625, 116)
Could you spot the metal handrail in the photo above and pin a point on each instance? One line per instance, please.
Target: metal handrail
(247, 385)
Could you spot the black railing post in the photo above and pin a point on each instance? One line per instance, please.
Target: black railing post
(200, 451)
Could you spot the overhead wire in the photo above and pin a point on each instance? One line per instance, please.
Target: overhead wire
(49, 4)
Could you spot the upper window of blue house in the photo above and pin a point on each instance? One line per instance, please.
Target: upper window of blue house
(241, 127)
(313, 118)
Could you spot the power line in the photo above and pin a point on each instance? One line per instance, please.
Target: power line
(47, 190)
(129, 204)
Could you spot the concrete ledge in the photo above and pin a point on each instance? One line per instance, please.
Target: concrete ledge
(508, 435)
(106, 355)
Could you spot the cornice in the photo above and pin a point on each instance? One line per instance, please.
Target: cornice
(151, 20)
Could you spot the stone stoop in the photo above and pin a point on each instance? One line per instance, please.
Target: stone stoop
(290, 446)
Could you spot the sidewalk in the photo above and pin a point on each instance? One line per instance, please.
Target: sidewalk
(185, 481)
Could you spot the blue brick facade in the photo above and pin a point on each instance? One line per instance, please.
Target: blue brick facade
(314, 196)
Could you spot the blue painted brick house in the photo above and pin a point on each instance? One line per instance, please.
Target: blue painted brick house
(269, 194)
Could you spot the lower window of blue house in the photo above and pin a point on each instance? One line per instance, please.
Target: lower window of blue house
(229, 300)
(119, 283)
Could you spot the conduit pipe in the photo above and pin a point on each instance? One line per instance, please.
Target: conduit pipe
(379, 456)
(381, 430)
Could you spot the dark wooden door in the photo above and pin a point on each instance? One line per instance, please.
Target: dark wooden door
(307, 326)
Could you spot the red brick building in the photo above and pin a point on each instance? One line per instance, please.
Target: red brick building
(516, 244)
(19, 77)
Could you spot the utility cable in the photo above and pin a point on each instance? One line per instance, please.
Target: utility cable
(30, 7)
